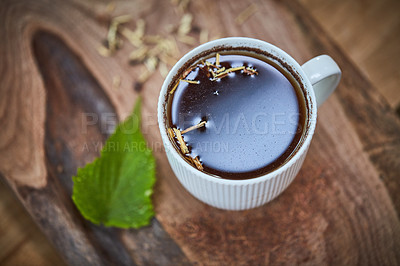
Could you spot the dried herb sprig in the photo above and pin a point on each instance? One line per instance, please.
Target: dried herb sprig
(174, 88)
(185, 25)
(181, 4)
(227, 71)
(199, 125)
(217, 59)
(139, 54)
(191, 81)
(209, 64)
(197, 163)
(184, 80)
(171, 133)
(134, 37)
(174, 132)
(246, 14)
(250, 71)
(116, 82)
(182, 143)
(220, 70)
(112, 39)
(187, 72)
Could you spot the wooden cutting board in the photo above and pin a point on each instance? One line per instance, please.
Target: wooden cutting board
(343, 207)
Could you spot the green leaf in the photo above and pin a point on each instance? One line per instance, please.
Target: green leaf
(115, 189)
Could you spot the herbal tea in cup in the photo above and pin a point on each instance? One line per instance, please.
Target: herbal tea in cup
(236, 114)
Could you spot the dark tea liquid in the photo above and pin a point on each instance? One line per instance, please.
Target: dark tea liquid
(252, 118)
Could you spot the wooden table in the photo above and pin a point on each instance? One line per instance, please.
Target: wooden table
(341, 209)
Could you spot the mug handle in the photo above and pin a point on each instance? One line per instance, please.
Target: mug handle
(324, 75)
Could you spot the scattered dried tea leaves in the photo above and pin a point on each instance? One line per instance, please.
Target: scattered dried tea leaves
(156, 52)
(112, 38)
(168, 59)
(163, 69)
(181, 4)
(151, 63)
(203, 38)
(110, 7)
(185, 24)
(116, 83)
(103, 51)
(134, 37)
(139, 54)
(121, 19)
(246, 14)
(105, 15)
(187, 39)
(152, 39)
(144, 76)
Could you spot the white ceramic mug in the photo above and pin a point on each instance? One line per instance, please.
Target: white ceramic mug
(319, 78)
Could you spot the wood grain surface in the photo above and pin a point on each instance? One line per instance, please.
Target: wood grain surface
(369, 32)
(21, 241)
(341, 209)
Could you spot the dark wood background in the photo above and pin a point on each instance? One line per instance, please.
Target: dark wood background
(341, 209)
